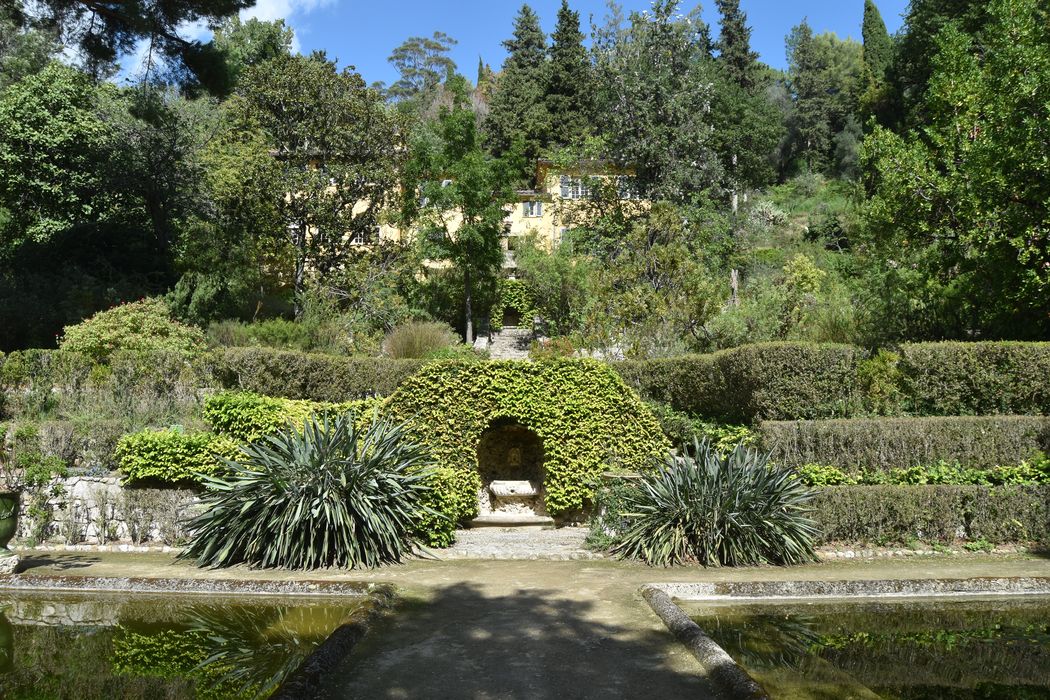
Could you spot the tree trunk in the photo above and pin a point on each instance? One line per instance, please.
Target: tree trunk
(300, 270)
(736, 197)
(469, 308)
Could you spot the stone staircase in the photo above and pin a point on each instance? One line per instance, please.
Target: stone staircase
(511, 343)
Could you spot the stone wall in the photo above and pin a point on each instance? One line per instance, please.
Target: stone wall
(99, 510)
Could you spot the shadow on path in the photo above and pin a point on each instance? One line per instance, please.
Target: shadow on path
(58, 562)
(535, 644)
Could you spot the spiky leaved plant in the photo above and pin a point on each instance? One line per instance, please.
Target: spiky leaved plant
(730, 510)
(331, 494)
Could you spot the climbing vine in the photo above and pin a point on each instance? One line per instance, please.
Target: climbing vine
(513, 294)
(588, 419)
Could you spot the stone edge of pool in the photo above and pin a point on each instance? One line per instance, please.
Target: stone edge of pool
(103, 584)
(731, 678)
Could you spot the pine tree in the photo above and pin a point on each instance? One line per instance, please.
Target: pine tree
(878, 47)
(570, 87)
(811, 119)
(734, 44)
(518, 109)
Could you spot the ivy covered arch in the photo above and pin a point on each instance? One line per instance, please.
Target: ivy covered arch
(513, 294)
(588, 419)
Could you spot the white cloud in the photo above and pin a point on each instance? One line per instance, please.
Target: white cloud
(288, 10)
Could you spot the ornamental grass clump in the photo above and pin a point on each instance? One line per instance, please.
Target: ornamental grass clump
(729, 510)
(329, 495)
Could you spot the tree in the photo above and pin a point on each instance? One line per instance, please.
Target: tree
(878, 47)
(734, 44)
(104, 31)
(518, 111)
(423, 63)
(570, 85)
(24, 51)
(655, 90)
(244, 44)
(455, 192)
(337, 152)
(965, 199)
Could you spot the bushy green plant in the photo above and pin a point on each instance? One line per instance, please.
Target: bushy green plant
(731, 510)
(880, 380)
(143, 326)
(172, 455)
(418, 339)
(551, 348)
(247, 417)
(513, 294)
(823, 475)
(331, 494)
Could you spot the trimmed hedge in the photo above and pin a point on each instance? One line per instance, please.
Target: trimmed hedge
(246, 417)
(764, 381)
(172, 456)
(952, 379)
(898, 443)
(297, 375)
(899, 514)
(587, 418)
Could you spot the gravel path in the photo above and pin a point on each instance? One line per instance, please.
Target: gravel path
(522, 543)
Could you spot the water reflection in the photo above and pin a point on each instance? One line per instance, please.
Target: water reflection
(92, 647)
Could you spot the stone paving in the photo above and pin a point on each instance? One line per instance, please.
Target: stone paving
(520, 543)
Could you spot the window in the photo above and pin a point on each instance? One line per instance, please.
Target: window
(364, 237)
(532, 209)
(574, 188)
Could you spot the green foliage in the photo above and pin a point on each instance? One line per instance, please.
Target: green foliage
(936, 513)
(307, 376)
(881, 381)
(878, 47)
(418, 340)
(717, 510)
(882, 444)
(143, 326)
(551, 348)
(517, 110)
(961, 199)
(173, 456)
(588, 420)
(248, 417)
(422, 63)
(516, 295)
(332, 494)
(823, 475)
(570, 85)
(281, 334)
(558, 284)
(752, 382)
(976, 378)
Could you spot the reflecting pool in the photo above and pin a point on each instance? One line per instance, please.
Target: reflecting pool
(992, 648)
(99, 646)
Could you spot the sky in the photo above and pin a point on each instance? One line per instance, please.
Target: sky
(363, 33)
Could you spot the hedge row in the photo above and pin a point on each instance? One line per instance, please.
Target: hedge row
(791, 381)
(898, 443)
(172, 456)
(246, 416)
(297, 375)
(885, 515)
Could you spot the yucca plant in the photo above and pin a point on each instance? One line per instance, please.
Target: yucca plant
(333, 494)
(730, 510)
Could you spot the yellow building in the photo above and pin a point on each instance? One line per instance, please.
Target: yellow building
(559, 200)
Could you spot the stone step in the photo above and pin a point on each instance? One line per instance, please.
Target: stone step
(513, 520)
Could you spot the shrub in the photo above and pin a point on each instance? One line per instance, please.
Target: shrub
(172, 455)
(731, 510)
(763, 381)
(551, 348)
(936, 513)
(586, 417)
(417, 340)
(332, 494)
(246, 417)
(898, 443)
(316, 377)
(513, 294)
(953, 473)
(976, 378)
(881, 382)
(143, 326)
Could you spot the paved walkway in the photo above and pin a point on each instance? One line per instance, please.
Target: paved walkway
(562, 544)
(482, 629)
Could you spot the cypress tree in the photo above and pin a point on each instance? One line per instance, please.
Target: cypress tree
(811, 119)
(518, 110)
(570, 88)
(734, 44)
(878, 47)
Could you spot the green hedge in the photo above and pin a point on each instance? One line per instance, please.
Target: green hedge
(297, 375)
(953, 379)
(172, 456)
(763, 381)
(587, 418)
(885, 515)
(246, 417)
(897, 443)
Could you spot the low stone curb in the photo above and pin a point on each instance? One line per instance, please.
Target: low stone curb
(76, 584)
(717, 664)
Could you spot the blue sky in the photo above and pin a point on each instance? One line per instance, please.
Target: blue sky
(363, 33)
